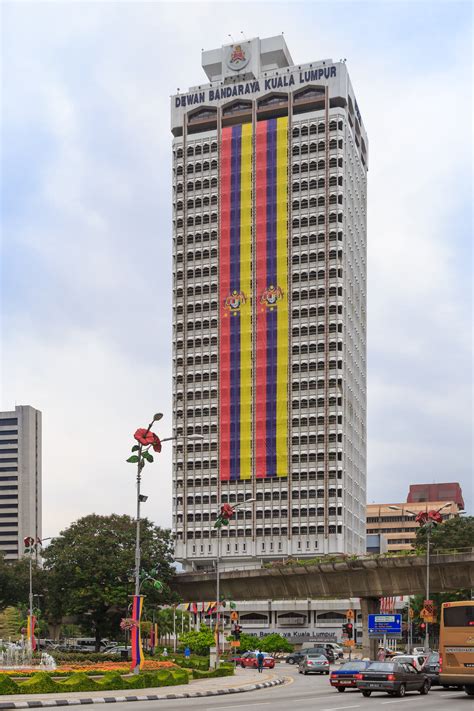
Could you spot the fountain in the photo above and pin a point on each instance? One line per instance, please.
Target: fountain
(20, 656)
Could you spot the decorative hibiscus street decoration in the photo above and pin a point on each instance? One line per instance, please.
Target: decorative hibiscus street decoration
(429, 517)
(127, 623)
(147, 440)
(227, 511)
(31, 544)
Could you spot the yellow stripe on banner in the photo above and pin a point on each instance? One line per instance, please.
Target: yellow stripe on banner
(282, 317)
(246, 310)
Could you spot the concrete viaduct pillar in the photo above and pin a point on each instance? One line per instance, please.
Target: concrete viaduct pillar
(368, 606)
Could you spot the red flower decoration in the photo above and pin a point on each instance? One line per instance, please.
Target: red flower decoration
(145, 437)
(422, 518)
(435, 516)
(227, 511)
(156, 444)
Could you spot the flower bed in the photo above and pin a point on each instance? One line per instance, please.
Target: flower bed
(93, 669)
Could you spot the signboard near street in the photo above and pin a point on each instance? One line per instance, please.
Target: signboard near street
(349, 614)
(389, 625)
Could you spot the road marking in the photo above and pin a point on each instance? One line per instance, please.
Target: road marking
(341, 708)
(392, 702)
(241, 706)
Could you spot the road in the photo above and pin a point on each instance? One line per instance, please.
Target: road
(308, 693)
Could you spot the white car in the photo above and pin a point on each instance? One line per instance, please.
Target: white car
(416, 660)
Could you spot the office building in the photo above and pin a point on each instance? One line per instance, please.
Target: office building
(436, 492)
(20, 479)
(269, 308)
(398, 525)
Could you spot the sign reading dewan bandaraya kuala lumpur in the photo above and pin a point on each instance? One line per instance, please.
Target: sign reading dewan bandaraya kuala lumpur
(275, 83)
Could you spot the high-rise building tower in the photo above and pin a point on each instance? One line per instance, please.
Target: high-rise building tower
(269, 308)
(20, 479)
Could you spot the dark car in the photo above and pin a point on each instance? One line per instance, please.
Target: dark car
(345, 677)
(395, 678)
(431, 668)
(296, 657)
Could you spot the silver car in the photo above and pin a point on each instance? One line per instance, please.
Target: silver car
(314, 664)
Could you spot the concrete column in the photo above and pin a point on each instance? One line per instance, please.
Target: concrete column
(368, 606)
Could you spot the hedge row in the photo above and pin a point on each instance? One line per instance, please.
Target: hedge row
(223, 670)
(42, 683)
(201, 663)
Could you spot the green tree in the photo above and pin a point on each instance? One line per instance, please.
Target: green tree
(275, 642)
(91, 568)
(456, 532)
(14, 581)
(165, 621)
(198, 641)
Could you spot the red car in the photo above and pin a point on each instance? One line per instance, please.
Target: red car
(249, 659)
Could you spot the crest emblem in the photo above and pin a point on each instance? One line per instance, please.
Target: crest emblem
(234, 301)
(271, 296)
(237, 57)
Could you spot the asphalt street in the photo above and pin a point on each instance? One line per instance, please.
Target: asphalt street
(309, 693)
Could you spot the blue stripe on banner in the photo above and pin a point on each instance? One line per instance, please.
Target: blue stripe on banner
(235, 318)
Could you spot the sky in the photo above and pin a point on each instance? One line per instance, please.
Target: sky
(86, 229)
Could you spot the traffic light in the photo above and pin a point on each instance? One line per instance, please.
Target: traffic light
(422, 626)
(236, 631)
(349, 630)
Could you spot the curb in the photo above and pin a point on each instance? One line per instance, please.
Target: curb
(149, 697)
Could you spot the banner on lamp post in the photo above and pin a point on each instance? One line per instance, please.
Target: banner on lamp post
(30, 631)
(136, 640)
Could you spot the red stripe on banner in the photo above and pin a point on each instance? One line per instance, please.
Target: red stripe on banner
(224, 290)
(261, 318)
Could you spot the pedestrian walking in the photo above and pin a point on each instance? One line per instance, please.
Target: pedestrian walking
(381, 654)
(260, 658)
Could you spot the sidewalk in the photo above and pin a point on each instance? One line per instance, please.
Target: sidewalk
(244, 680)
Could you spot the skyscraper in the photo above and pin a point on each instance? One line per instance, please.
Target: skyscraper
(269, 308)
(20, 479)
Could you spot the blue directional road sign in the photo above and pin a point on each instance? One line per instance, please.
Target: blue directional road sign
(391, 625)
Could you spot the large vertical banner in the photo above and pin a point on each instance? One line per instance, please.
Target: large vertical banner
(235, 284)
(136, 640)
(271, 294)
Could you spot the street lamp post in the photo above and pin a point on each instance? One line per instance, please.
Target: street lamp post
(145, 439)
(32, 545)
(428, 524)
(227, 512)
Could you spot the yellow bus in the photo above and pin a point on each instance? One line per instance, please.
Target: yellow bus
(456, 645)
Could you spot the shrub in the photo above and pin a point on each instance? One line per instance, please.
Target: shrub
(79, 681)
(7, 685)
(201, 663)
(40, 683)
(111, 681)
(223, 670)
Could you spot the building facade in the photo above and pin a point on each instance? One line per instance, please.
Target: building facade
(399, 526)
(450, 491)
(20, 479)
(269, 308)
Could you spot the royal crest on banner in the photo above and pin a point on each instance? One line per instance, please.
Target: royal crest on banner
(234, 302)
(271, 296)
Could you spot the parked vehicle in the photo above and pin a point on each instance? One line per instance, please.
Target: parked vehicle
(249, 659)
(336, 648)
(416, 660)
(345, 677)
(296, 657)
(431, 668)
(314, 664)
(121, 651)
(394, 678)
(81, 644)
